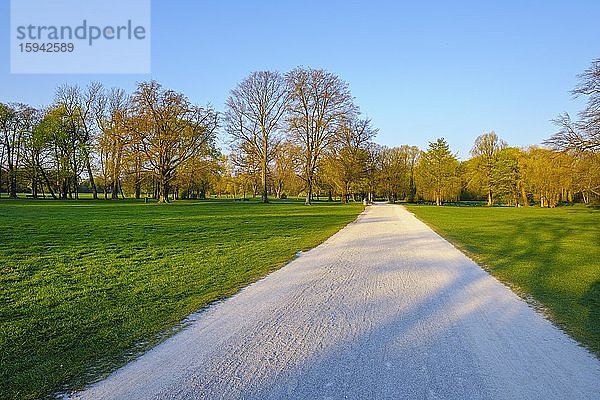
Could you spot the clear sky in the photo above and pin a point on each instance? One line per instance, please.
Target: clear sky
(419, 69)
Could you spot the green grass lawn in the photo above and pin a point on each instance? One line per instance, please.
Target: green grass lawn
(552, 255)
(87, 285)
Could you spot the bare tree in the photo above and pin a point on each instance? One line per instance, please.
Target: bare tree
(171, 130)
(320, 105)
(254, 111)
(583, 135)
(575, 136)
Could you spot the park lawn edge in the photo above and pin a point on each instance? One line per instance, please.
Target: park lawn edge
(529, 298)
(104, 370)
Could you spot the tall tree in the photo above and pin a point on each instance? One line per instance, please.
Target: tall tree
(396, 172)
(347, 159)
(79, 105)
(285, 169)
(171, 130)
(11, 138)
(437, 173)
(111, 109)
(54, 131)
(32, 148)
(16, 122)
(9, 129)
(39, 149)
(485, 151)
(548, 176)
(255, 110)
(586, 176)
(583, 135)
(320, 105)
(507, 177)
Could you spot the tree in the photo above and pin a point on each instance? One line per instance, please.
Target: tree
(171, 130)
(11, 132)
(48, 150)
(79, 106)
(397, 172)
(581, 138)
(437, 173)
(196, 176)
(346, 163)
(507, 177)
(548, 176)
(320, 105)
(285, 169)
(111, 109)
(33, 146)
(586, 176)
(485, 152)
(582, 135)
(253, 118)
(246, 168)
(39, 152)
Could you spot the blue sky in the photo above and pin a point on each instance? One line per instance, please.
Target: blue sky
(419, 70)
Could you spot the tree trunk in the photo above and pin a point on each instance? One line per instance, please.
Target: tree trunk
(12, 182)
(91, 175)
(309, 192)
(524, 197)
(265, 197)
(163, 190)
(34, 186)
(48, 183)
(75, 185)
(138, 190)
(113, 190)
(65, 188)
(138, 178)
(489, 202)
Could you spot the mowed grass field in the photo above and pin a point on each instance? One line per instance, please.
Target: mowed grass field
(87, 285)
(552, 255)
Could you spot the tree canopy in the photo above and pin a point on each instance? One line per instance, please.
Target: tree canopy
(298, 133)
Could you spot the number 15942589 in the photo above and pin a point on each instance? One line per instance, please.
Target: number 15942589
(48, 47)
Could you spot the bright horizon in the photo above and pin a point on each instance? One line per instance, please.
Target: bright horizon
(418, 71)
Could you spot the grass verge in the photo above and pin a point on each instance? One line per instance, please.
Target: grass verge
(85, 286)
(552, 255)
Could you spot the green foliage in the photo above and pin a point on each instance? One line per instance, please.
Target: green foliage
(437, 173)
(84, 285)
(396, 172)
(551, 255)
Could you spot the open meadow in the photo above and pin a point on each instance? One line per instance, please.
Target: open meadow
(549, 255)
(87, 285)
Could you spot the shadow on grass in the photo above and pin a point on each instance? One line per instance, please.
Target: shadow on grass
(549, 257)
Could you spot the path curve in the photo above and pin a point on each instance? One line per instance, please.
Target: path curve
(384, 309)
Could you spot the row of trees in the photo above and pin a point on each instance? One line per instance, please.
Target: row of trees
(508, 175)
(106, 134)
(298, 133)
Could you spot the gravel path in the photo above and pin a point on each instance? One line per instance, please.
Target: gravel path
(384, 309)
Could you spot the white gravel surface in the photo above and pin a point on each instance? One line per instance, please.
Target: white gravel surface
(384, 309)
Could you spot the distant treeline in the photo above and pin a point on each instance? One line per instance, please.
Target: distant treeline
(292, 134)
